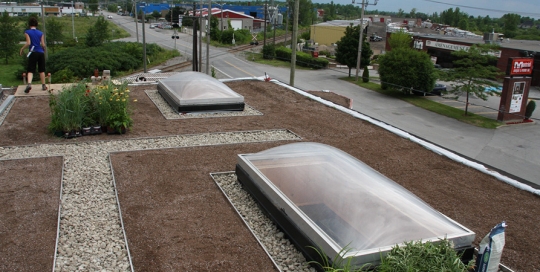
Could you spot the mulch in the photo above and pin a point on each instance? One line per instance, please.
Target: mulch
(473, 199)
(29, 197)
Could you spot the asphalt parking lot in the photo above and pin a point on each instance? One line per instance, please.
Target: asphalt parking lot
(488, 108)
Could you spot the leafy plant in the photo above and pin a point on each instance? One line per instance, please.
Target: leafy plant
(418, 256)
(80, 106)
(69, 108)
(531, 106)
(339, 263)
(119, 113)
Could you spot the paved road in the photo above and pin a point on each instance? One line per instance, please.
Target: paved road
(514, 149)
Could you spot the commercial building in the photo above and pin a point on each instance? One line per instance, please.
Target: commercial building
(440, 48)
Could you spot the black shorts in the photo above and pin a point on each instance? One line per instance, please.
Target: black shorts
(36, 58)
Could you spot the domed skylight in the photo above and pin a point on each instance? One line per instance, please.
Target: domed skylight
(194, 91)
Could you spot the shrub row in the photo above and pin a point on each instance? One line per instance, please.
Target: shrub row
(302, 59)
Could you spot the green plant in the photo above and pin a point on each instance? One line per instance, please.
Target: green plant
(119, 115)
(365, 75)
(418, 256)
(269, 51)
(69, 108)
(339, 263)
(531, 106)
(213, 70)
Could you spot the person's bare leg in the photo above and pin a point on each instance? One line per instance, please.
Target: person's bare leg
(42, 77)
(30, 77)
(29, 86)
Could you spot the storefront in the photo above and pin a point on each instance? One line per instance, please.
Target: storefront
(440, 48)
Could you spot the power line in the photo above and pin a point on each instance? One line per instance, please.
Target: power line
(486, 9)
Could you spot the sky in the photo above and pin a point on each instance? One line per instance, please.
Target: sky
(493, 8)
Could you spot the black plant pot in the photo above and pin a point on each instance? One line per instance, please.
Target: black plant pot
(86, 131)
(95, 130)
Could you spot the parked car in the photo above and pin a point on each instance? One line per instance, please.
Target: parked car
(489, 89)
(375, 38)
(439, 89)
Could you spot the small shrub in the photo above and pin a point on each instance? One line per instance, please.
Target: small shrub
(63, 76)
(365, 75)
(531, 106)
(269, 51)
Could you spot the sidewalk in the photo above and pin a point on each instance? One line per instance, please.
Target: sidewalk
(512, 149)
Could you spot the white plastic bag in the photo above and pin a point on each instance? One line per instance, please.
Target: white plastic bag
(490, 252)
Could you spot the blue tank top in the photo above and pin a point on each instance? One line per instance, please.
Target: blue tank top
(35, 40)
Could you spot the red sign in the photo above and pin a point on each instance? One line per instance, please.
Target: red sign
(520, 66)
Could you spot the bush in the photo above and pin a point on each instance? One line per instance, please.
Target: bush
(115, 56)
(302, 59)
(365, 75)
(531, 106)
(269, 51)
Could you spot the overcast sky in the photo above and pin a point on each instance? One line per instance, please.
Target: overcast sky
(493, 8)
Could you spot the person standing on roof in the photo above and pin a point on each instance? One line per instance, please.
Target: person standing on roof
(36, 55)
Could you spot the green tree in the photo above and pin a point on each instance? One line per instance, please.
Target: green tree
(413, 13)
(98, 33)
(176, 11)
(93, 6)
(54, 32)
(400, 40)
(511, 22)
(305, 12)
(407, 69)
(9, 36)
(215, 33)
(400, 13)
(156, 14)
(112, 8)
(463, 24)
(347, 48)
(474, 71)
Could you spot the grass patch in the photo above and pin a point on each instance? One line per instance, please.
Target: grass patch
(7, 71)
(427, 104)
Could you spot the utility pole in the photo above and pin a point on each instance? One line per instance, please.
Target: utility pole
(144, 39)
(135, 5)
(265, 11)
(44, 30)
(200, 35)
(287, 23)
(208, 37)
(294, 39)
(72, 20)
(360, 41)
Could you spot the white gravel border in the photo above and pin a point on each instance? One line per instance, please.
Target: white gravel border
(169, 113)
(281, 251)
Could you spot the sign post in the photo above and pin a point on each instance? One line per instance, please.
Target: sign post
(515, 89)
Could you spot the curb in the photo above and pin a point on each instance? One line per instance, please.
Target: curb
(6, 103)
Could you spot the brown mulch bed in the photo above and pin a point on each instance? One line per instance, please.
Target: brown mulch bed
(476, 200)
(194, 228)
(29, 197)
(333, 97)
